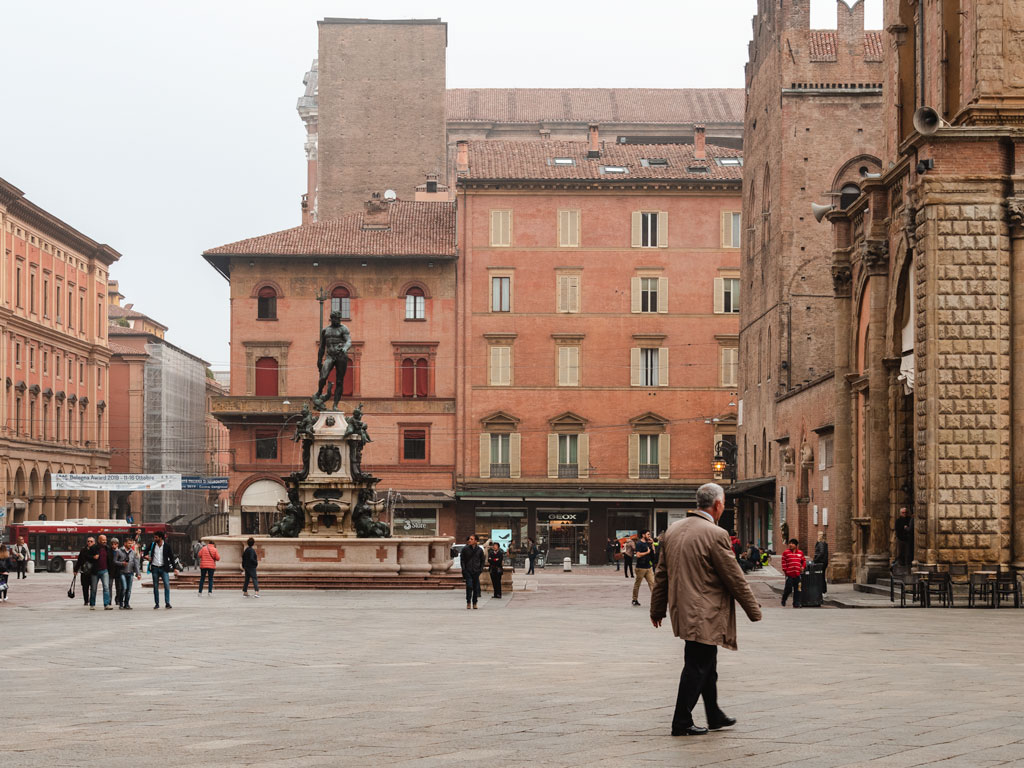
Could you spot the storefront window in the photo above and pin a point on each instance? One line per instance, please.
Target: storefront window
(513, 519)
(415, 522)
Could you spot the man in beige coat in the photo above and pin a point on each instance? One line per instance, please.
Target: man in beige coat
(697, 579)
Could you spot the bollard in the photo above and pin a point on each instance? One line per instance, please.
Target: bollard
(69, 566)
(567, 564)
(30, 567)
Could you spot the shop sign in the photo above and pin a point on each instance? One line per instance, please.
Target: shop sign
(503, 536)
(562, 517)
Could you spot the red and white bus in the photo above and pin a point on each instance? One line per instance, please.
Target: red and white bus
(52, 543)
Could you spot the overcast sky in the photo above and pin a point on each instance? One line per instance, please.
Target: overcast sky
(165, 128)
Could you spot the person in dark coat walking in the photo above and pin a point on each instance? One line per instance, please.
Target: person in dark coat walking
(472, 561)
(612, 551)
(250, 561)
(905, 537)
(531, 554)
(83, 567)
(495, 568)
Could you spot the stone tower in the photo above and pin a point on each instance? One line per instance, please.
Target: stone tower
(381, 109)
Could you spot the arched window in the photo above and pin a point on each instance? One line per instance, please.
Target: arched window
(266, 377)
(415, 304)
(341, 301)
(266, 304)
(414, 377)
(848, 194)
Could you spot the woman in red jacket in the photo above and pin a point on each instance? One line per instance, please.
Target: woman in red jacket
(793, 564)
(208, 557)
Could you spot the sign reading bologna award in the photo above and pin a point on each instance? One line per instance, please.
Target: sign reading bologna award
(115, 482)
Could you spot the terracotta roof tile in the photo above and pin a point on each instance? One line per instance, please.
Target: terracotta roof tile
(416, 229)
(124, 349)
(600, 105)
(873, 50)
(823, 45)
(535, 160)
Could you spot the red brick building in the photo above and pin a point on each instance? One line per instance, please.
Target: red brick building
(596, 368)
(389, 270)
(813, 135)
(53, 285)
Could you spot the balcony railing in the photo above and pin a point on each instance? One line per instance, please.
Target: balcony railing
(501, 470)
(649, 472)
(568, 470)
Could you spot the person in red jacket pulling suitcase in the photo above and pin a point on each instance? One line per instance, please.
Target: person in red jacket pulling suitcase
(793, 564)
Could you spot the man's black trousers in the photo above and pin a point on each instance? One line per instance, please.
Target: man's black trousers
(699, 680)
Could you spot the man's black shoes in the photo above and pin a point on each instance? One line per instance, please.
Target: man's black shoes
(723, 722)
(693, 730)
(636, 602)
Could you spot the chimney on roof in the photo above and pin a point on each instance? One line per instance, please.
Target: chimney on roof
(462, 156)
(698, 143)
(432, 190)
(594, 147)
(378, 214)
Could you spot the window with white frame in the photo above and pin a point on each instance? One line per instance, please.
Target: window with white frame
(568, 298)
(568, 366)
(648, 457)
(649, 367)
(729, 366)
(500, 366)
(568, 456)
(415, 304)
(500, 455)
(569, 229)
(727, 295)
(501, 293)
(731, 228)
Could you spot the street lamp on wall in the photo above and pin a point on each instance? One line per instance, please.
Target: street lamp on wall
(724, 462)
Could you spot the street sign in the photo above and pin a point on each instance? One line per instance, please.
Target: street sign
(199, 483)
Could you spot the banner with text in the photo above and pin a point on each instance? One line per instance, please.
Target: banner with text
(115, 482)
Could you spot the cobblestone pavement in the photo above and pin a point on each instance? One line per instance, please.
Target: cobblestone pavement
(568, 675)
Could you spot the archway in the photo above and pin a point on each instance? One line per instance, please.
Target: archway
(259, 505)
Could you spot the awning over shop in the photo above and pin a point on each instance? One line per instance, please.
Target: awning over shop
(762, 488)
(577, 495)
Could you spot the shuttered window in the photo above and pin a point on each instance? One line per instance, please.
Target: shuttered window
(569, 293)
(730, 360)
(731, 221)
(649, 229)
(500, 368)
(727, 295)
(501, 229)
(649, 294)
(568, 229)
(649, 366)
(568, 366)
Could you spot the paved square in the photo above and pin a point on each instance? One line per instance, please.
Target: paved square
(567, 675)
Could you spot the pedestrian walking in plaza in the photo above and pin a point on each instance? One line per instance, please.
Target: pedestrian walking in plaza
(120, 557)
(628, 550)
(613, 550)
(250, 562)
(644, 564)
(793, 564)
(531, 555)
(697, 581)
(161, 563)
(821, 557)
(472, 561)
(905, 537)
(7, 564)
(83, 567)
(495, 568)
(208, 557)
(132, 570)
(102, 557)
(20, 553)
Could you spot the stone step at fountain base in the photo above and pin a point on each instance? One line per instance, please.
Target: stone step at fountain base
(272, 580)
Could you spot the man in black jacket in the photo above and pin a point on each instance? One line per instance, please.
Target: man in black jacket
(472, 561)
(161, 563)
(83, 567)
(495, 568)
(250, 562)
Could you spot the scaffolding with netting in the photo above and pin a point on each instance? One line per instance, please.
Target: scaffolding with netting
(174, 408)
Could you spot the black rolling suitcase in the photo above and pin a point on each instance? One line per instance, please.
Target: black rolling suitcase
(812, 586)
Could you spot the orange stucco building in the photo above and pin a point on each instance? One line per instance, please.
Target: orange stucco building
(597, 303)
(389, 269)
(54, 355)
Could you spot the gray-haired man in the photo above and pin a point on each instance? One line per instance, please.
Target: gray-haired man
(696, 582)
